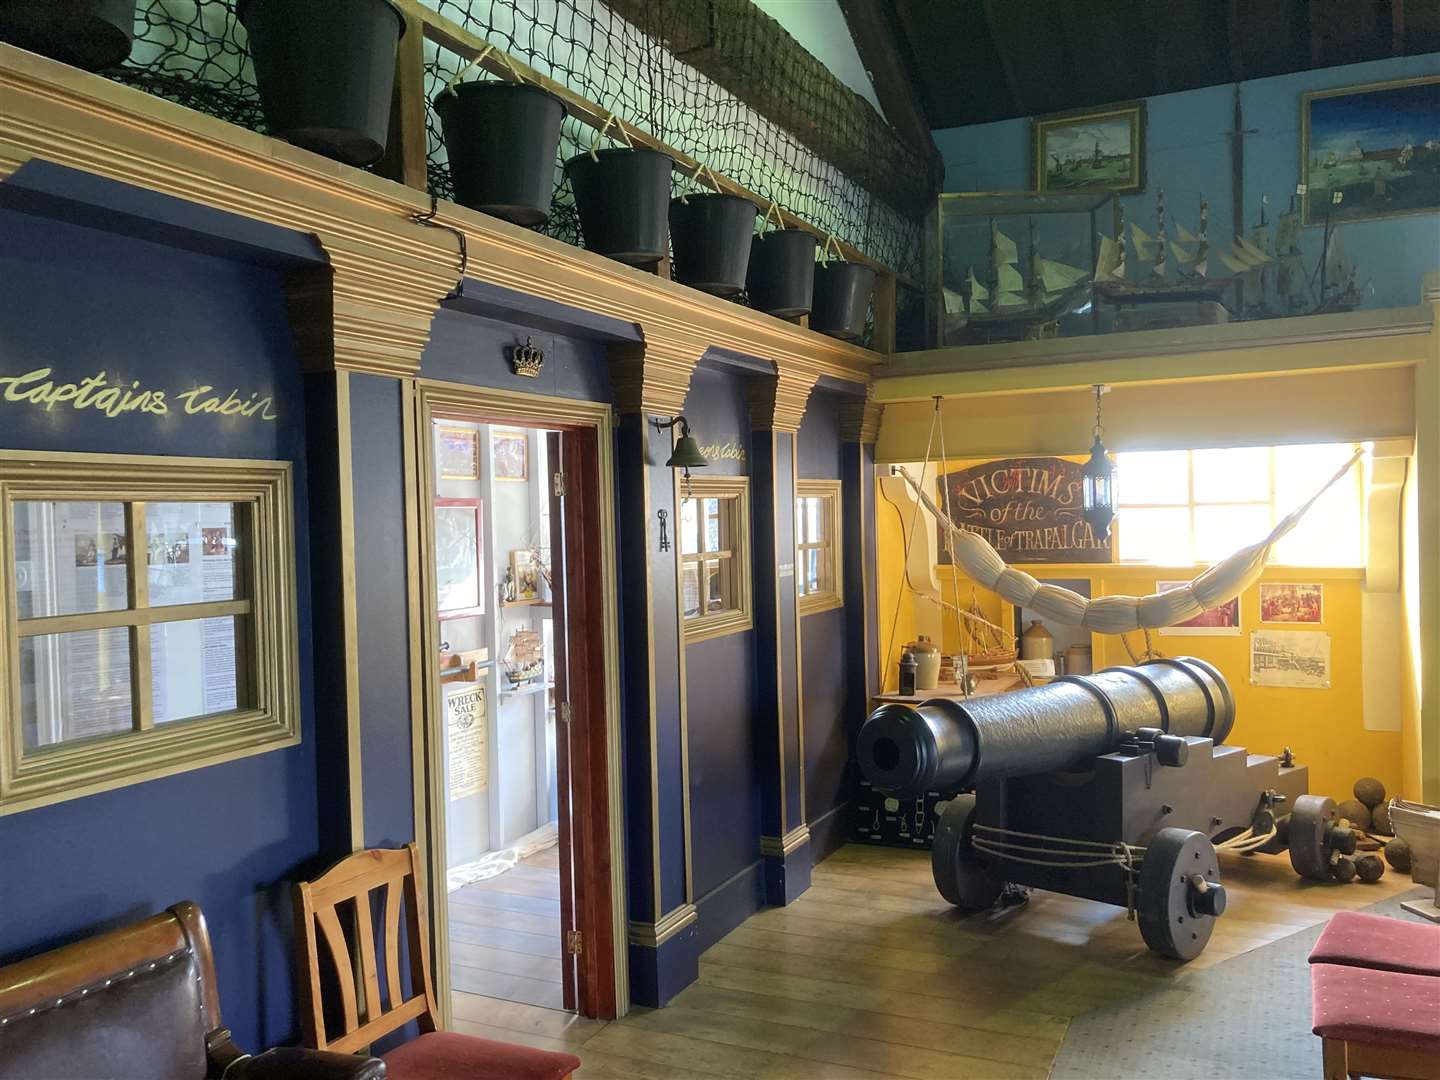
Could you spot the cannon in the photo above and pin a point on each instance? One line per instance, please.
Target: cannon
(1115, 787)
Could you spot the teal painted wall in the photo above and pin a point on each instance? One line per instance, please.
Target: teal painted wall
(1188, 154)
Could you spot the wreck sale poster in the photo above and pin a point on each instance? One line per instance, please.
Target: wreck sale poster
(1027, 509)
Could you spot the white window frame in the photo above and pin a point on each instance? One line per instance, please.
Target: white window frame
(265, 597)
(735, 491)
(1190, 505)
(826, 599)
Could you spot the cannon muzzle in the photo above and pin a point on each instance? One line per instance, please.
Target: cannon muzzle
(946, 744)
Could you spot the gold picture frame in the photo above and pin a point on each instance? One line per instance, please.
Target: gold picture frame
(458, 452)
(510, 455)
(1369, 186)
(1089, 150)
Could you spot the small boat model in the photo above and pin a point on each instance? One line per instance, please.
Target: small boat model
(1007, 306)
(1189, 253)
(524, 659)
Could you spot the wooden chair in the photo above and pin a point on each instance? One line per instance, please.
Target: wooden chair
(318, 906)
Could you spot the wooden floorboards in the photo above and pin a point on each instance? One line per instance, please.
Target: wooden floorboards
(871, 974)
(505, 934)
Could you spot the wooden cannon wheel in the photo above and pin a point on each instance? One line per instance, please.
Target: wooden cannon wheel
(1179, 894)
(959, 874)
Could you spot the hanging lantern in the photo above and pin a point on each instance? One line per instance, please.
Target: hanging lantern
(1097, 481)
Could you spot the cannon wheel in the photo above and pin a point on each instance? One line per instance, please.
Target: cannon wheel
(1168, 920)
(959, 874)
(1308, 818)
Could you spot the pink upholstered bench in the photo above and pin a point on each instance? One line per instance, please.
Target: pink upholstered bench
(1373, 941)
(445, 1055)
(1376, 1023)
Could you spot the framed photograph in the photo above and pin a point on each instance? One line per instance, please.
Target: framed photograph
(458, 557)
(1223, 621)
(1090, 150)
(1284, 602)
(458, 449)
(1293, 658)
(510, 455)
(1371, 151)
(525, 572)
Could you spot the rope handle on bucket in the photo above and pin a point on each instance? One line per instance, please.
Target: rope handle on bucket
(700, 167)
(831, 244)
(479, 59)
(610, 118)
(772, 209)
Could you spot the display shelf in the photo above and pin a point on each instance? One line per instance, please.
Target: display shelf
(521, 691)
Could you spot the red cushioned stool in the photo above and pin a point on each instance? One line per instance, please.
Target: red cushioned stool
(1373, 941)
(464, 1057)
(370, 886)
(1376, 1023)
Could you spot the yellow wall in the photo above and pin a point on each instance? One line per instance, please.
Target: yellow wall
(1325, 728)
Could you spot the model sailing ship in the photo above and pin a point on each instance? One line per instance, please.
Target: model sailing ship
(1188, 253)
(524, 659)
(1007, 307)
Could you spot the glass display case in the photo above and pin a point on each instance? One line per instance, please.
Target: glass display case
(1019, 266)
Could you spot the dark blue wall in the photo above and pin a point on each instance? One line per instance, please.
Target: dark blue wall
(230, 837)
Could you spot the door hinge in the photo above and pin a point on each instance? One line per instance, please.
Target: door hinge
(565, 714)
(559, 485)
(574, 943)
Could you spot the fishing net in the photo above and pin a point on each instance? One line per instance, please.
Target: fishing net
(194, 52)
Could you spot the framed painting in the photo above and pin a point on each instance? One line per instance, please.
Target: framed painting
(1287, 602)
(458, 450)
(459, 584)
(1222, 621)
(510, 455)
(525, 571)
(1090, 150)
(1371, 151)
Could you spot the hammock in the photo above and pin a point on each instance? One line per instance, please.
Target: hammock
(1218, 585)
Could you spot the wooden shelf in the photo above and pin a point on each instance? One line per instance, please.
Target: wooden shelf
(521, 691)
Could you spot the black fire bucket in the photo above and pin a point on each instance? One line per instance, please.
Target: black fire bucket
(501, 138)
(782, 272)
(842, 299)
(711, 234)
(622, 199)
(326, 72)
(89, 34)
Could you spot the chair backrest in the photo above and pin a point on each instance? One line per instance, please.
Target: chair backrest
(342, 899)
(138, 1001)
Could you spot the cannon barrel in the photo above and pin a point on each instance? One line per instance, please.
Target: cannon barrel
(948, 744)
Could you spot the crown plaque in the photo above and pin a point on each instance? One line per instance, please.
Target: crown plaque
(527, 359)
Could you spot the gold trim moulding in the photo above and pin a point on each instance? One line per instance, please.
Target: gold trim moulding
(653, 935)
(777, 847)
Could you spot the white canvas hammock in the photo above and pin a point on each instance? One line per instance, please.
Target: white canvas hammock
(1218, 585)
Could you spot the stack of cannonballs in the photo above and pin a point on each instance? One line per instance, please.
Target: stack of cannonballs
(1368, 813)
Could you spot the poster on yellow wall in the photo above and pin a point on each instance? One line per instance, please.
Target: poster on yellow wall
(1294, 658)
(1222, 621)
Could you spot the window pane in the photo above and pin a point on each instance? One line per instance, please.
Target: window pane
(194, 668)
(1222, 530)
(1156, 536)
(1159, 477)
(812, 578)
(1332, 532)
(193, 552)
(74, 686)
(689, 526)
(1238, 475)
(690, 589)
(713, 539)
(716, 582)
(812, 519)
(70, 558)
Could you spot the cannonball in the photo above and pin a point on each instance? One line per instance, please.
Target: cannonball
(1356, 812)
(1343, 869)
(1370, 791)
(1397, 854)
(1380, 820)
(1369, 868)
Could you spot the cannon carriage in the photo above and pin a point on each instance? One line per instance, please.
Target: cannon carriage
(1115, 787)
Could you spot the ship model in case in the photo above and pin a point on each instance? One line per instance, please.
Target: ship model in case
(524, 659)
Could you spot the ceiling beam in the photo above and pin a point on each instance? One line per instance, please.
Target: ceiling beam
(1397, 27)
(1317, 36)
(1006, 64)
(890, 71)
(1236, 42)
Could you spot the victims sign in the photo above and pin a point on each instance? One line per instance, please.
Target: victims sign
(1027, 509)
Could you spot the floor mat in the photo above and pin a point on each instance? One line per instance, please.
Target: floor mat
(1248, 1017)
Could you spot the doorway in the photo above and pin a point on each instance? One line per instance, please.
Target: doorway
(521, 712)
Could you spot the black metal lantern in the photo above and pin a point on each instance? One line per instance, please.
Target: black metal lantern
(1097, 481)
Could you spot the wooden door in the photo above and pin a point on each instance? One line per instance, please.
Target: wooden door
(570, 935)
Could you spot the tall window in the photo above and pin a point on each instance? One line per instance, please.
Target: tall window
(148, 620)
(1185, 507)
(715, 557)
(817, 545)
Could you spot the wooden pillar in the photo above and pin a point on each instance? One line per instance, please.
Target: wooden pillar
(651, 380)
(777, 405)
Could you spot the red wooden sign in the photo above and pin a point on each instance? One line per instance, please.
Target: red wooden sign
(1028, 509)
